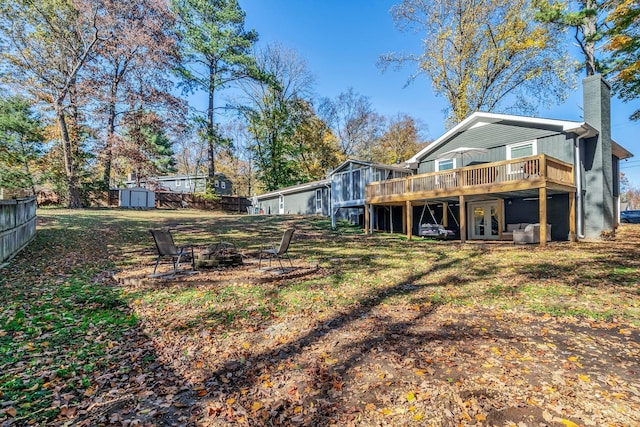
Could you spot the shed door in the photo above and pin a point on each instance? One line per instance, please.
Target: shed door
(138, 199)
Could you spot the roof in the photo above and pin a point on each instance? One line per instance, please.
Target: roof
(619, 151)
(174, 178)
(295, 189)
(478, 119)
(399, 168)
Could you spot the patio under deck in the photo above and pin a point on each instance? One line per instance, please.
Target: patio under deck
(536, 176)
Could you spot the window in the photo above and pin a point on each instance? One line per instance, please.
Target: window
(187, 184)
(521, 149)
(178, 183)
(216, 183)
(223, 184)
(281, 204)
(318, 200)
(445, 164)
(357, 185)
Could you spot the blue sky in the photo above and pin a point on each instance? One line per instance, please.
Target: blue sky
(342, 40)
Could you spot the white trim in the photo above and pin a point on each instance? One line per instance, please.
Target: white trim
(281, 204)
(319, 199)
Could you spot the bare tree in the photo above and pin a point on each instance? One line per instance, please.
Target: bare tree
(353, 121)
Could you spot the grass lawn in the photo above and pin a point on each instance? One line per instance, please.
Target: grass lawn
(367, 330)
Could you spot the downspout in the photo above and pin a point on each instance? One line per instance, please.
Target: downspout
(328, 187)
(579, 201)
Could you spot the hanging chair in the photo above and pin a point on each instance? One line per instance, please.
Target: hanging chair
(433, 230)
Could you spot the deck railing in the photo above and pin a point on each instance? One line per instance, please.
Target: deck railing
(531, 169)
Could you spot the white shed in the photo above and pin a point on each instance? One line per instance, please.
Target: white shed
(137, 197)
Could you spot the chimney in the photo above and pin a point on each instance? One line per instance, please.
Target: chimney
(597, 160)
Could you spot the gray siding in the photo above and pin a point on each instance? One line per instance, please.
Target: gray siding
(297, 203)
(269, 206)
(495, 137)
(178, 184)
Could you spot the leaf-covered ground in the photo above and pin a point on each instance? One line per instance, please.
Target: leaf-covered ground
(366, 330)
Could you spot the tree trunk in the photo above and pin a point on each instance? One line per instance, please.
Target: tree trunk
(69, 167)
(210, 124)
(108, 149)
(590, 30)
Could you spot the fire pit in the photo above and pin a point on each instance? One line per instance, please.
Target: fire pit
(221, 254)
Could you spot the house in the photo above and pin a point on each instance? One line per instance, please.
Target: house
(310, 198)
(348, 183)
(183, 183)
(562, 175)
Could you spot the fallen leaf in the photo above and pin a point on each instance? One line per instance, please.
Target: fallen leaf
(584, 378)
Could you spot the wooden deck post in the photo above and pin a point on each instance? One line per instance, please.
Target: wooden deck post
(409, 209)
(404, 219)
(463, 220)
(445, 214)
(572, 218)
(366, 218)
(500, 217)
(543, 215)
(391, 218)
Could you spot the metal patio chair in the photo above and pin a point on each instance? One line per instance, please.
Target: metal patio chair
(280, 251)
(168, 249)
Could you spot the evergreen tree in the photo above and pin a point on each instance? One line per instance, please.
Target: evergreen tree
(20, 143)
(215, 52)
(584, 18)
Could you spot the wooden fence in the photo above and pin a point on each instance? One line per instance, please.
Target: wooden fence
(17, 226)
(179, 200)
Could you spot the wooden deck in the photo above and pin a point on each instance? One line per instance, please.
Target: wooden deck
(500, 177)
(540, 173)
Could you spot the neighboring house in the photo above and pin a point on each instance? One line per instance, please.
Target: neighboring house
(311, 198)
(531, 170)
(348, 184)
(183, 183)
